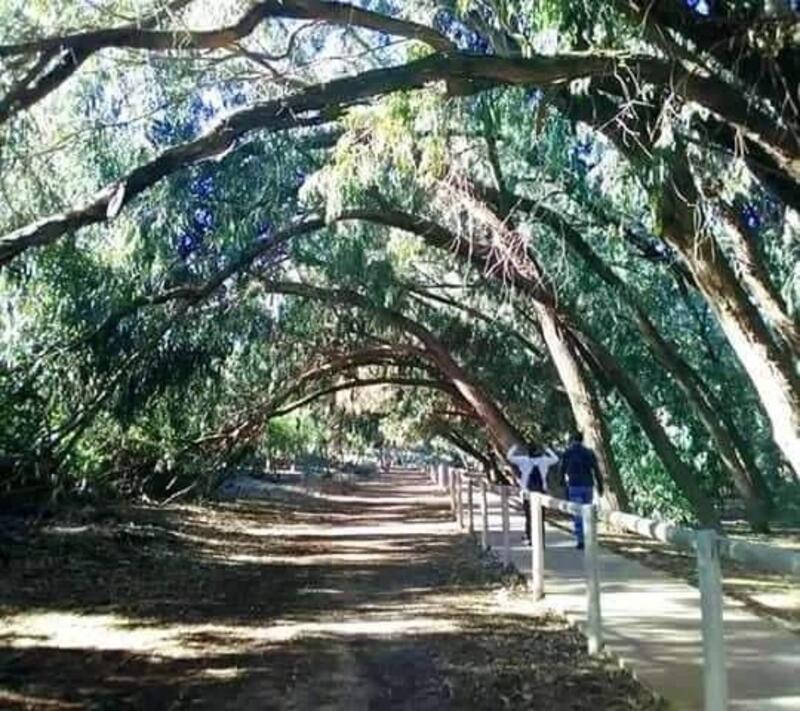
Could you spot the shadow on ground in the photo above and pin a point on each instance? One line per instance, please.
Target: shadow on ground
(362, 600)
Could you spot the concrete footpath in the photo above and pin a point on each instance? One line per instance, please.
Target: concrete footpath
(652, 622)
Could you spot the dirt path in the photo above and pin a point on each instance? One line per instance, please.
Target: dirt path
(358, 600)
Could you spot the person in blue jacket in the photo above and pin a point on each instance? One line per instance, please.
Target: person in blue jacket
(580, 469)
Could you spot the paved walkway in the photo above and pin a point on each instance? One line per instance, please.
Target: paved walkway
(652, 622)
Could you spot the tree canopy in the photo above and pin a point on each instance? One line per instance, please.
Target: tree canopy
(243, 229)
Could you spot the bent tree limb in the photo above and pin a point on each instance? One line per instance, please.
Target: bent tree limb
(566, 329)
(527, 271)
(559, 326)
(339, 94)
(500, 429)
(196, 293)
(58, 62)
(585, 406)
(768, 364)
(140, 37)
(248, 425)
(423, 295)
(727, 439)
(757, 281)
(770, 68)
(502, 432)
(74, 50)
(361, 383)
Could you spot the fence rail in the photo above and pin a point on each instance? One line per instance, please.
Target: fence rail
(707, 545)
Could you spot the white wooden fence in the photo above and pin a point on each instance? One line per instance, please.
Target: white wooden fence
(707, 545)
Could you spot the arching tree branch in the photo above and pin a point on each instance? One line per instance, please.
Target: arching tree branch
(339, 94)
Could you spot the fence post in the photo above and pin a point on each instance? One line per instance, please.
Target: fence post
(460, 498)
(710, 578)
(484, 516)
(594, 621)
(471, 507)
(506, 525)
(537, 547)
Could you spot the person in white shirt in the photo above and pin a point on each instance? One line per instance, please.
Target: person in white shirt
(533, 466)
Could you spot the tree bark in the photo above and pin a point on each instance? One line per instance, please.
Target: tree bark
(586, 407)
(728, 442)
(768, 364)
(680, 473)
(46, 76)
(769, 68)
(290, 111)
(141, 37)
(757, 281)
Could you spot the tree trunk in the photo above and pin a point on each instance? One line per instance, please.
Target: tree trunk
(528, 273)
(729, 443)
(730, 446)
(680, 473)
(500, 429)
(757, 281)
(768, 364)
(564, 355)
(585, 405)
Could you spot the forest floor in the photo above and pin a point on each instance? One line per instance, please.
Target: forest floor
(357, 599)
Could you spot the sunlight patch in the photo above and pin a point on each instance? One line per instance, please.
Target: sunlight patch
(323, 531)
(223, 674)
(63, 630)
(315, 558)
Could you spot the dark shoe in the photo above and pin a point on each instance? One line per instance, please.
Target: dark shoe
(579, 547)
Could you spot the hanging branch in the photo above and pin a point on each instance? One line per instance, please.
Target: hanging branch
(72, 51)
(315, 103)
(57, 62)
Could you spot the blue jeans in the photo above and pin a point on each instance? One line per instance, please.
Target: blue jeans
(580, 495)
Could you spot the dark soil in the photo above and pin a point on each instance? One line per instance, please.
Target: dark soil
(359, 600)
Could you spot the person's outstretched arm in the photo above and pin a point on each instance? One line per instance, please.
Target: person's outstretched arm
(550, 458)
(516, 455)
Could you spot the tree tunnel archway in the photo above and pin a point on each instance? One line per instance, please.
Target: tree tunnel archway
(624, 202)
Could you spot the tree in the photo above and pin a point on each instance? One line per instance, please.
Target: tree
(504, 239)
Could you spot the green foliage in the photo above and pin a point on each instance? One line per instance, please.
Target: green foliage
(104, 391)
